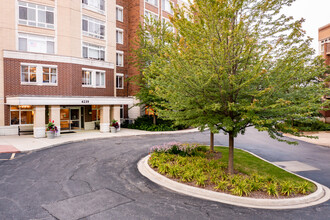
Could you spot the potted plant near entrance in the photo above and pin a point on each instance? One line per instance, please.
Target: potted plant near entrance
(51, 129)
(114, 126)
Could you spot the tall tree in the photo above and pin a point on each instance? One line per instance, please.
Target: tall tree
(153, 37)
(235, 64)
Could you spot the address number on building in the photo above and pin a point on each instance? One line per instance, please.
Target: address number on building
(85, 101)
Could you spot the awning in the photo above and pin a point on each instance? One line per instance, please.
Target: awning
(65, 100)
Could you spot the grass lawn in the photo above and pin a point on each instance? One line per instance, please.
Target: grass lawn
(195, 165)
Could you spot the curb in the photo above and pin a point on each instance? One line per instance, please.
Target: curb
(128, 135)
(322, 194)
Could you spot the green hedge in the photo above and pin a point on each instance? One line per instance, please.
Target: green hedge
(146, 123)
(310, 124)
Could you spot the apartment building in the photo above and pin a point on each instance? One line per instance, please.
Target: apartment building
(58, 62)
(68, 61)
(130, 14)
(324, 48)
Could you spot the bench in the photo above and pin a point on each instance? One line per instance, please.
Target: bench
(25, 129)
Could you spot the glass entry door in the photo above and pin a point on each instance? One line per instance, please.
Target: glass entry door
(74, 118)
(70, 118)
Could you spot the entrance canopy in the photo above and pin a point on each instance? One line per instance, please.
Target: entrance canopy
(59, 100)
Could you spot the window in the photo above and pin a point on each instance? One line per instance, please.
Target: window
(119, 36)
(21, 115)
(121, 111)
(28, 74)
(36, 15)
(93, 27)
(120, 58)
(38, 74)
(93, 78)
(322, 45)
(150, 15)
(93, 51)
(36, 43)
(153, 2)
(166, 6)
(86, 78)
(97, 5)
(169, 24)
(96, 116)
(119, 13)
(119, 81)
(49, 74)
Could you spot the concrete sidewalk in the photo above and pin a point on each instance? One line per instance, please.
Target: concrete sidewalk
(323, 138)
(26, 143)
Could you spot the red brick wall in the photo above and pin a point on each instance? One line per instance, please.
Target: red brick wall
(69, 81)
(133, 16)
(123, 47)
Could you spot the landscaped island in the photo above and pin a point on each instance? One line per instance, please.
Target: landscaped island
(196, 165)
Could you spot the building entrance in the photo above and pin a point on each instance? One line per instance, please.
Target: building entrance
(71, 118)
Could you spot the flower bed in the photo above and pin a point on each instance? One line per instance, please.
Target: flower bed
(195, 165)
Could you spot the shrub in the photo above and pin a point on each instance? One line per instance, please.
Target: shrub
(241, 188)
(146, 123)
(222, 185)
(308, 124)
(271, 189)
(303, 188)
(190, 163)
(178, 148)
(287, 188)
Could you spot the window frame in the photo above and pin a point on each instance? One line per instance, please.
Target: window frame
(118, 52)
(96, 47)
(20, 110)
(38, 38)
(170, 11)
(95, 22)
(93, 78)
(39, 74)
(120, 8)
(154, 3)
(120, 75)
(85, 4)
(119, 30)
(37, 9)
(168, 22)
(154, 15)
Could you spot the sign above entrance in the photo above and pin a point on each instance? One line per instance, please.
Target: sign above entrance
(46, 100)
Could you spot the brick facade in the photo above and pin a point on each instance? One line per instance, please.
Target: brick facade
(69, 80)
(133, 17)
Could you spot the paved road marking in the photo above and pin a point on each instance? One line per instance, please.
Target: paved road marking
(295, 166)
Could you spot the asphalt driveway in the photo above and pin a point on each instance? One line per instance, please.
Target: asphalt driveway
(98, 179)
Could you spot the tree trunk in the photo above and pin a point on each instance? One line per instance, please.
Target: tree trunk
(154, 119)
(231, 154)
(211, 141)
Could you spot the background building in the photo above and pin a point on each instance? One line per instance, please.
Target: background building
(68, 61)
(324, 45)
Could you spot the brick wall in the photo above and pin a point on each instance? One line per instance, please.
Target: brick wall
(69, 80)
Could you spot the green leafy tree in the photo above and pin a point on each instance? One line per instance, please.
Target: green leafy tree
(235, 64)
(153, 37)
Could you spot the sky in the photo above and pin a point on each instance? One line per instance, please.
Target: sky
(316, 14)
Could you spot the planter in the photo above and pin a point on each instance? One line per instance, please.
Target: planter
(113, 129)
(50, 134)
